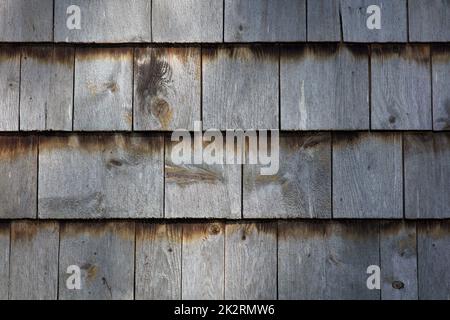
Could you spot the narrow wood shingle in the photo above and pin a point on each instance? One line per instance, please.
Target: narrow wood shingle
(46, 88)
(441, 87)
(103, 89)
(4, 260)
(240, 87)
(103, 21)
(9, 88)
(265, 20)
(324, 87)
(187, 21)
(401, 87)
(167, 88)
(427, 175)
(367, 175)
(358, 15)
(429, 21)
(105, 255)
(324, 23)
(97, 176)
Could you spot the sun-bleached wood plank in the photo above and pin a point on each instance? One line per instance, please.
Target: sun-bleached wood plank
(18, 177)
(367, 175)
(101, 176)
(203, 261)
(324, 23)
(158, 261)
(302, 186)
(9, 88)
(340, 102)
(103, 21)
(251, 261)
(103, 89)
(4, 260)
(26, 20)
(240, 87)
(187, 21)
(265, 20)
(393, 16)
(34, 261)
(47, 106)
(398, 253)
(401, 87)
(429, 21)
(167, 88)
(427, 175)
(104, 252)
(441, 85)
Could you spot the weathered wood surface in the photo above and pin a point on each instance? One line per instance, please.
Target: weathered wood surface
(203, 261)
(18, 177)
(302, 186)
(104, 254)
(107, 21)
(251, 261)
(158, 261)
(201, 190)
(393, 15)
(187, 21)
(326, 260)
(26, 20)
(265, 20)
(240, 87)
(34, 261)
(427, 173)
(103, 89)
(101, 176)
(441, 85)
(367, 175)
(4, 260)
(323, 18)
(401, 87)
(433, 244)
(9, 88)
(398, 254)
(340, 102)
(167, 86)
(46, 88)
(429, 21)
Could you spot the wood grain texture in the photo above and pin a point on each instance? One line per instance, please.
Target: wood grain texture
(158, 261)
(26, 21)
(340, 102)
(18, 177)
(441, 85)
(433, 245)
(187, 21)
(401, 87)
(105, 254)
(167, 88)
(101, 176)
(47, 106)
(251, 261)
(398, 253)
(104, 21)
(4, 260)
(429, 21)
(326, 260)
(427, 172)
(103, 89)
(323, 18)
(240, 88)
(265, 20)
(203, 261)
(302, 186)
(201, 190)
(367, 175)
(9, 88)
(34, 261)
(393, 15)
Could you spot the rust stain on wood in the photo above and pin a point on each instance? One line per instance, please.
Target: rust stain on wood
(322, 51)
(245, 229)
(156, 231)
(14, 147)
(420, 53)
(242, 52)
(49, 54)
(124, 230)
(104, 53)
(202, 231)
(301, 230)
(441, 53)
(27, 230)
(435, 229)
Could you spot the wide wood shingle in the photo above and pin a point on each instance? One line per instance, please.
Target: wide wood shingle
(429, 21)
(9, 88)
(324, 23)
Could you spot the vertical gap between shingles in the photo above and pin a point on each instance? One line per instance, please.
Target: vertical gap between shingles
(417, 259)
(370, 85)
(306, 20)
(224, 257)
(407, 20)
(151, 20)
(59, 257)
(277, 241)
(181, 261)
(163, 214)
(73, 87)
(279, 87)
(242, 190)
(53, 22)
(135, 259)
(133, 65)
(9, 262)
(403, 175)
(37, 141)
(201, 85)
(379, 255)
(431, 86)
(223, 21)
(20, 84)
(331, 174)
(341, 23)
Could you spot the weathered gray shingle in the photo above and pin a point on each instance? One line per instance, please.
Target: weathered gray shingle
(323, 18)
(9, 88)
(429, 21)
(103, 21)
(265, 20)
(441, 87)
